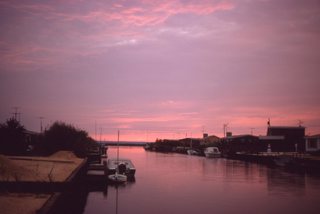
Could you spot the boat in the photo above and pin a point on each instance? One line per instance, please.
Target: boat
(192, 152)
(212, 152)
(117, 178)
(122, 166)
(117, 174)
(147, 146)
(119, 170)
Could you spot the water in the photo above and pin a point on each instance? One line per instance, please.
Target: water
(175, 183)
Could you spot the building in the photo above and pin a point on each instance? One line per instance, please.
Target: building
(312, 143)
(240, 143)
(286, 138)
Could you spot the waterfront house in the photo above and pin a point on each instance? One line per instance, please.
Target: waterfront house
(286, 138)
(312, 143)
(278, 139)
(240, 143)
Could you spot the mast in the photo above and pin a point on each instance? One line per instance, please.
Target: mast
(118, 147)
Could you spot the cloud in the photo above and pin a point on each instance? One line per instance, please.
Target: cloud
(164, 65)
(154, 13)
(143, 13)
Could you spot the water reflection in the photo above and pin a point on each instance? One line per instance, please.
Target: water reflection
(175, 183)
(281, 182)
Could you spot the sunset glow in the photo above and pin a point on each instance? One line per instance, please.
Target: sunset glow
(161, 69)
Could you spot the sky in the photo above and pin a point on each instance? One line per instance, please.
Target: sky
(161, 69)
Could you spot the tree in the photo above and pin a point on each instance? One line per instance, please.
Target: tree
(12, 137)
(62, 136)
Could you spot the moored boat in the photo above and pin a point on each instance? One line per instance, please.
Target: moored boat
(122, 166)
(118, 169)
(117, 178)
(192, 152)
(212, 152)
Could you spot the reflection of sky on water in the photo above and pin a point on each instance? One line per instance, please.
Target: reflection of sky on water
(175, 183)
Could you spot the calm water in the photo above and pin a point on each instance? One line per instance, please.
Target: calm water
(175, 183)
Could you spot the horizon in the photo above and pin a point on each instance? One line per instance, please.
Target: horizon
(161, 69)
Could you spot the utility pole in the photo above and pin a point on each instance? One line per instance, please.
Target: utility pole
(100, 133)
(16, 113)
(41, 119)
(225, 126)
(95, 130)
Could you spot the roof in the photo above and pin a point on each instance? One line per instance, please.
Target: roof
(313, 136)
(212, 137)
(286, 127)
(240, 136)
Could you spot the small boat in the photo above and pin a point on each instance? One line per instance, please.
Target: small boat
(119, 170)
(192, 152)
(117, 178)
(115, 170)
(212, 152)
(147, 147)
(122, 166)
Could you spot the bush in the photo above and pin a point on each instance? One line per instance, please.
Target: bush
(61, 136)
(12, 137)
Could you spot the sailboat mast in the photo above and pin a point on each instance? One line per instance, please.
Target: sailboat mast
(118, 146)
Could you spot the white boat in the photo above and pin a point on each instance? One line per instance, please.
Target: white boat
(192, 152)
(122, 166)
(120, 169)
(116, 175)
(117, 178)
(212, 152)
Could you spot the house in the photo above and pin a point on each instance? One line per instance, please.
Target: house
(240, 143)
(278, 139)
(293, 138)
(274, 143)
(312, 143)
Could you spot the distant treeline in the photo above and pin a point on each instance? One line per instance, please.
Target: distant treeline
(16, 140)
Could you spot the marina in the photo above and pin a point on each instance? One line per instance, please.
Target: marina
(217, 103)
(177, 183)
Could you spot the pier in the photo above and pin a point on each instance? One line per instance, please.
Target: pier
(37, 184)
(294, 161)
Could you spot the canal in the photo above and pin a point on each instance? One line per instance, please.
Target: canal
(175, 183)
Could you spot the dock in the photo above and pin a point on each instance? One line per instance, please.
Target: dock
(290, 160)
(31, 184)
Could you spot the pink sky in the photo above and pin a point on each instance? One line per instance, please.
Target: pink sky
(161, 69)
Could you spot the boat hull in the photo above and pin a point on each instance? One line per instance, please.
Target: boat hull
(212, 155)
(117, 178)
